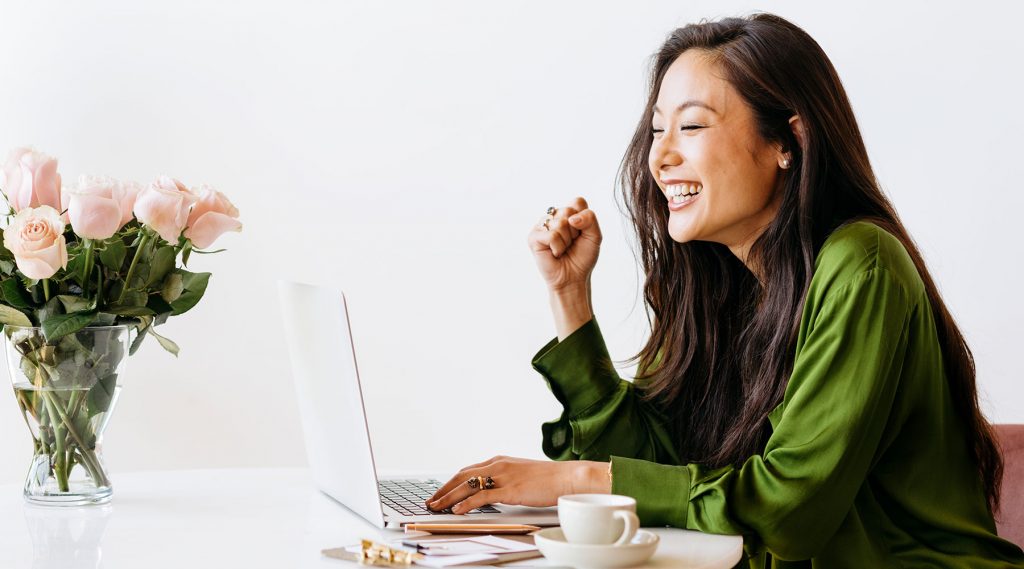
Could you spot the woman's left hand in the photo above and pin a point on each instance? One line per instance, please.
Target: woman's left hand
(520, 481)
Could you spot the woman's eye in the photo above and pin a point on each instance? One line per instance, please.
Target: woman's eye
(657, 131)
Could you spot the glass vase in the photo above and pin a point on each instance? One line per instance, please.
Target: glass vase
(67, 388)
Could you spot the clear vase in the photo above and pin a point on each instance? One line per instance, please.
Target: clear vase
(66, 389)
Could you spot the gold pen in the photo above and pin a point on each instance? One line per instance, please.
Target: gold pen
(472, 528)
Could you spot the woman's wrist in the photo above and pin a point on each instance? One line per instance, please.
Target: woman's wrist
(592, 477)
(571, 308)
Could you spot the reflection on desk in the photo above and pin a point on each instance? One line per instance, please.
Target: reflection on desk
(252, 518)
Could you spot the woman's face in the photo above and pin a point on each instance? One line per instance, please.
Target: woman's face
(706, 146)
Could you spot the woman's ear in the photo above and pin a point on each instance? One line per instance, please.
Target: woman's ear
(798, 129)
(786, 158)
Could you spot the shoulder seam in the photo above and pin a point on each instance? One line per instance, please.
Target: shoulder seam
(856, 279)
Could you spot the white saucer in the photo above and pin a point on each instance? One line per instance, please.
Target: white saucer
(551, 542)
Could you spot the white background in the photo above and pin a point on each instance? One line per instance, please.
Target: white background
(402, 151)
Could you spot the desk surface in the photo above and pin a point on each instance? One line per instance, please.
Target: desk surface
(250, 518)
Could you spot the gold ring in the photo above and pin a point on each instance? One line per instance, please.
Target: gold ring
(481, 482)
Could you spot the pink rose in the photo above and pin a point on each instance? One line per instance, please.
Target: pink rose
(36, 238)
(212, 216)
(131, 193)
(30, 179)
(98, 206)
(163, 207)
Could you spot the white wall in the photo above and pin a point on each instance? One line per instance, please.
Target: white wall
(403, 150)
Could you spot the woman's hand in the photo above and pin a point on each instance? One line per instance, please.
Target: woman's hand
(566, 252)
(522, 482)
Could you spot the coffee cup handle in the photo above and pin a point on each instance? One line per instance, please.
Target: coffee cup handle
(631, 523)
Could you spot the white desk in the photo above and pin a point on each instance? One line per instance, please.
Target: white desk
(250, 518)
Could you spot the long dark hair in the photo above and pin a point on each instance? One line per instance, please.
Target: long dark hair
(733, 336)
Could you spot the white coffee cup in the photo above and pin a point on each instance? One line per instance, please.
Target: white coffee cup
(598, 519)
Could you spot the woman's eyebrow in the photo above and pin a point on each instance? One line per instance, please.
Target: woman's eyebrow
(686, 104)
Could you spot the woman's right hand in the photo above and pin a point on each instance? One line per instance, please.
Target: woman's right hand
(566, 252)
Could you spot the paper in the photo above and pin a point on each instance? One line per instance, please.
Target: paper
(460, 551)
(452, 560)
(476, 544)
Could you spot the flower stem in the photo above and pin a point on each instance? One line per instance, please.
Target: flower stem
(88, 244)
(46, 289)
(88, 456)
(131, 268)
(60, 470)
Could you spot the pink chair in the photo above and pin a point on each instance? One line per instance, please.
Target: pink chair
(1010, 518)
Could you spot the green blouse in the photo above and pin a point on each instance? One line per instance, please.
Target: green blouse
(867, 465)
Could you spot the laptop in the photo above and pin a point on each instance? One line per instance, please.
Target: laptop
(335, 429)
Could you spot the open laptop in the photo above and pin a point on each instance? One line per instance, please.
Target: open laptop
(334, 421)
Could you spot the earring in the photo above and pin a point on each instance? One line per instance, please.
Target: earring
(785, 163)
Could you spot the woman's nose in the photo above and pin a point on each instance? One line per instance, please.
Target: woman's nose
(664, 153)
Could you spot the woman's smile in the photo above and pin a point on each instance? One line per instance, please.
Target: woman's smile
(682, 193)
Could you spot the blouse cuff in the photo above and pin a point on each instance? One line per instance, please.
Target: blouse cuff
(662, 492)
(578, 369)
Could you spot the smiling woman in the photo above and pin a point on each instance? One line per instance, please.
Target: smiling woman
(803, 381)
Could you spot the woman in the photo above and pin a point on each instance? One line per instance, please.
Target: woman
(804, 385)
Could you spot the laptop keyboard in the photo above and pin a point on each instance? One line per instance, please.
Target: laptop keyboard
(408, 497)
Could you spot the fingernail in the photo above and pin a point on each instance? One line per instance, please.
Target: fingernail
(434, 503)
(457, 509)
(575, 219)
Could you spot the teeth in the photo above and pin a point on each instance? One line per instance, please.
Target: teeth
(677, 191)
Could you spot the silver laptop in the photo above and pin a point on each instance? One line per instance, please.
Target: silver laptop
(334, 421)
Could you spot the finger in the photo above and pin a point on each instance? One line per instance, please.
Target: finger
(579, 203)
(458, 479)
(481, 498)
(560, 226)
(539, 239)
(461, 476)
(557, 245)
(463, 490)
(565, 213)
(586, 222)
(454, 496)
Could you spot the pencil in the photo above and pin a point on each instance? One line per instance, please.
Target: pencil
(472, 528)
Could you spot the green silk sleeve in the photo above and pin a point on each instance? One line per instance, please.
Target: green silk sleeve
(602, 414)
(791, 499)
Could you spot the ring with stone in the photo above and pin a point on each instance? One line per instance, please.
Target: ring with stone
(477, 482)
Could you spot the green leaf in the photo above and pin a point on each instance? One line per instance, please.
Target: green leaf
(130, 310)
(161, 264)
(101, 394)
(5, 253)
(165, 343)
(13, 316)
(133, 298)
(6, 266)
(76, 266)
(141, 275)
(141, 329)
(105, 319)
(195, 286)
(158, 305)
(186, 250)
(13, 294)
(174, 285)
(61, 325)
(52, 308)
(113, 254)
(76, 303)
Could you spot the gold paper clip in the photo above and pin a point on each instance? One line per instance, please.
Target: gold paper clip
(373, 553)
